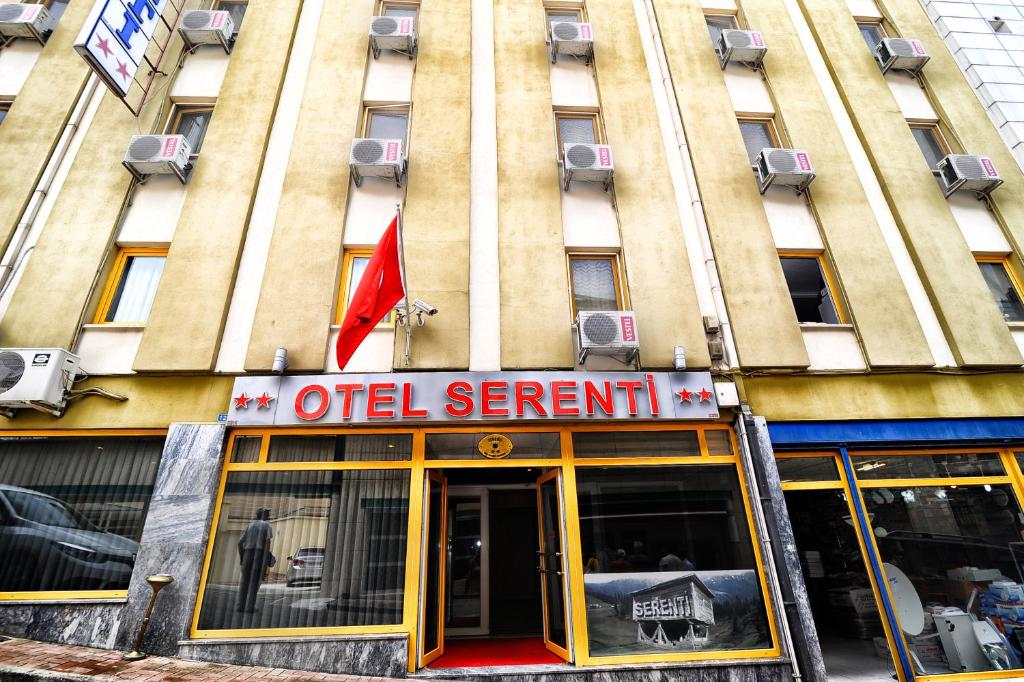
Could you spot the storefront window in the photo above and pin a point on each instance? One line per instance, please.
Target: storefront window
(72, 511)
(481, 445)
(802, 469)
(669, 566)
(246, 449)
(635, 444)
(308, 549)
(949, 554)
(950, 465)
(362, 447)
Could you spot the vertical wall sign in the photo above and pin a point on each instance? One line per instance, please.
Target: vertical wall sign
(124, 41)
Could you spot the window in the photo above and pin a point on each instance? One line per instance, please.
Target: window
(758, 134)
(389, 122)
(576, 128)
(872, 32)
(236, 8)
(132, 286)
(72, 511)
(1004, 287)
(4, 108)
(352, 269)
(668, 541)
(718, 23)
(595, 283)
(399, 9)
(810, 289)
(931, 141)
(192, 121)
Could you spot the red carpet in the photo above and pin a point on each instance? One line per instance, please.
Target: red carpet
(477, 653)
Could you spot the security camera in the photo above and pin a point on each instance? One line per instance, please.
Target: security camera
(424, 307)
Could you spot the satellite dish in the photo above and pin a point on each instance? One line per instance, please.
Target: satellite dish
(906, 601)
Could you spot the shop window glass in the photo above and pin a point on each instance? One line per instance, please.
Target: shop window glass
(363, 447)
(948, 553)
(246, 449)
(669, 562)
(796, 469)
(308, 549)
(928, 466)
(1005, 293)
(542, 445)
(72, 511)
(809, 290)
(635, 444)
(719, 442)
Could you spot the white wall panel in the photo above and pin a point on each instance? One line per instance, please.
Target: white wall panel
(793, 227)
(389, 78)
(375, 354)
(201, 75)
(747, 89)
(832, 347)
(980, 228)
(153, 215)
(16, 62)
(109, 348)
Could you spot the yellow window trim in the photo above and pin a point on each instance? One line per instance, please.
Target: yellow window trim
(179, 110)
(568, 8)
(1007, 267)
(385, 108)
(220, 3)
(830, 281)
(120, 261)
(397, 4)
(765, 119)
(936, 128)
(620, 294)
(592, 116)
(343, 293)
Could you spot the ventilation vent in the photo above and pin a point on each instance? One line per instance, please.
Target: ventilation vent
(566, 31)
(384, 26)
(145, 148)
(782, 161)
(738, 38)
(970, 167)
(367, 151)
(197, 19)
(12, 365)
(902, 48)
(601, 329)
(11, 12)
(581, 156)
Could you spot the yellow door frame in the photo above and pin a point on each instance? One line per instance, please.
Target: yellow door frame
(554, 474)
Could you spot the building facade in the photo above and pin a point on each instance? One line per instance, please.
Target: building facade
(710, 366)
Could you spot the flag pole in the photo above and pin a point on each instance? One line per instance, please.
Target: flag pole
(405, 287)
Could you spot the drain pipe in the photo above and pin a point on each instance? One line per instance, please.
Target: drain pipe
(731, 357)
(14, 256)
(762, 530)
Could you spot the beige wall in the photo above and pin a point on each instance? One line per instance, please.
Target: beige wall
(38, 116)
(184, 327)
(871, 286)
(436, 218)
(976, 332)
(760, 310)
(300, 284)
(661, 290)
(535, 310)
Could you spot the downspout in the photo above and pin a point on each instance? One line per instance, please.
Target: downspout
(775, 586)
(693, 197)
(14, 255)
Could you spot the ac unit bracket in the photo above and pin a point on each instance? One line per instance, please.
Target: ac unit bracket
(567, 180)
(725, 58)
(141, 178)
(376, 49)
(227, 43)
(358, 179)
(763, 185)
(628, 357)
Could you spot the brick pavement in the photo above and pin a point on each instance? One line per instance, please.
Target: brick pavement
(22, 659)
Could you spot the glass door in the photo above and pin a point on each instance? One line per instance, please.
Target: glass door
(551, 563)
(431, 626)
(468, 562)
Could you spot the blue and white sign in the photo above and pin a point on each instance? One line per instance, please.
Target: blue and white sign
(115, 38)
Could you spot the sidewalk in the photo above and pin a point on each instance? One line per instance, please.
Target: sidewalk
(22, 659)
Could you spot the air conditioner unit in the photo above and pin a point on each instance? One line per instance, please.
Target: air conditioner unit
(587, 162)
(393, 33)
(968, 173)
(36, 378)
(376, 158)
(907, 54)
(205, 27)
(746, 47)
(158, 155)
(611, 332)
(788, 167)
(21, 20)
(572, 38)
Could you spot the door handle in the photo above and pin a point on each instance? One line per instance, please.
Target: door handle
(548, 570)
(540, 553)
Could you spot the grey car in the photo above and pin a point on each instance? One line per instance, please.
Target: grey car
(48, 545)
(306, 566)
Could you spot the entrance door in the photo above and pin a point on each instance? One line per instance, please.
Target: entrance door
(467, 581)
(435, 512)
(551, 564)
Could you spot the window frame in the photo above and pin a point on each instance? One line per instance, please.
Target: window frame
(875, 22)
(1011, 275)
(217, 5)
(344, 290)
(369, 110)
(5, 107)
(765, 119)
(830, 282)
(384, 5)
(117, 271)
(716, 14)
(555, 8)
(935, 127)
(178, 111)
(617, 277)
(593, 116)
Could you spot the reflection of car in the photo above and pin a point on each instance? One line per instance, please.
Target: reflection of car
(51, 546)
(306, 566)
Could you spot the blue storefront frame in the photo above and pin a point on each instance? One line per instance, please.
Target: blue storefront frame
(895, 433)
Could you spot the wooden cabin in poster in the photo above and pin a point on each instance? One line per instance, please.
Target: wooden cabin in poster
(674, 614)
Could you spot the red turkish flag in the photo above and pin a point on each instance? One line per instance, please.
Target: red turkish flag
(378, 292)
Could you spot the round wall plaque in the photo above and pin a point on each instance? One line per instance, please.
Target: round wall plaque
(495, 446)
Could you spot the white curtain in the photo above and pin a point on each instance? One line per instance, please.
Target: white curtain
(137, 290)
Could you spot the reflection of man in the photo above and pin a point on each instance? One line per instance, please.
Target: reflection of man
(254, 556)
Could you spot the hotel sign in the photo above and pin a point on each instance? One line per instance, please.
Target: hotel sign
(117, 35)
(470, 396)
